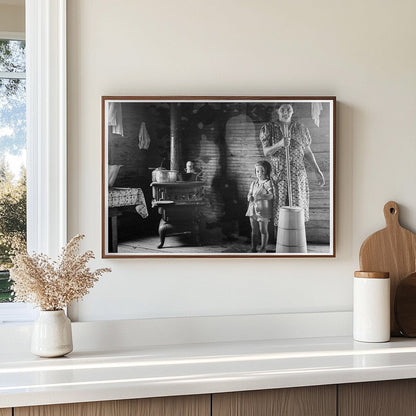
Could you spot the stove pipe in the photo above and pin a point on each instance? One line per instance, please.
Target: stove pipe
(174, 136)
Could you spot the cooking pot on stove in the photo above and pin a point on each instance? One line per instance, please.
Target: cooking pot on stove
(160, 175)
(172, 175)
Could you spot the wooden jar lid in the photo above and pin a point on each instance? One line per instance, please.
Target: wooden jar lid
(372, 275)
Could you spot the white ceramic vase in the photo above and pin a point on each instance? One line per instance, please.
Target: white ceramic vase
(52, 334)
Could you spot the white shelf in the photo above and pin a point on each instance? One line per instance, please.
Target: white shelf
(151, 371)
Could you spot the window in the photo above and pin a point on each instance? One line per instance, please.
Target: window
(12, 154)
(12, 165)
(46, 135)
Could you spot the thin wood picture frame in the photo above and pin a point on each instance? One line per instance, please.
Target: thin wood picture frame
(218, 176)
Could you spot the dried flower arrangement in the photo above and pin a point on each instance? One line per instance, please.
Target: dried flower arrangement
(53, 285)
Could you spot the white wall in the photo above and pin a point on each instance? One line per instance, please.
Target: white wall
(363, 52)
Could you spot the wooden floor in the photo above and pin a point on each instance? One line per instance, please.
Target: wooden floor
(179, 245)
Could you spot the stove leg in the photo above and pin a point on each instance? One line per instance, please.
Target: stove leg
(195, 233)
(164, 227)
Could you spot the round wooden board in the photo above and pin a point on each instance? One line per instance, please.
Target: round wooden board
(393, 250)
(405, 305)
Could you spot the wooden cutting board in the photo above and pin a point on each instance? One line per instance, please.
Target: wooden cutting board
(393, 250)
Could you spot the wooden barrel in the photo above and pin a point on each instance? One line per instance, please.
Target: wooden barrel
(291, 235)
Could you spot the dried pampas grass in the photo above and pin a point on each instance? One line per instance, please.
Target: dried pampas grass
(53, 285)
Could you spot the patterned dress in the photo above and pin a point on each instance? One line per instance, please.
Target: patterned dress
(300, 138)
(260, 208)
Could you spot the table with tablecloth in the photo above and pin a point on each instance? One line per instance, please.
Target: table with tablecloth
(118, 199)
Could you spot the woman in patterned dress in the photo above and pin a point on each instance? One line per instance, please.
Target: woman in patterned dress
(275, 136)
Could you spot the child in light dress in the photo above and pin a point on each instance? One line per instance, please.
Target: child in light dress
(260, 207)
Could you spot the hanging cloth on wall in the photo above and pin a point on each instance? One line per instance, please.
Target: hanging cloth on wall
(115, 118)
(316, 109)
(144, 138)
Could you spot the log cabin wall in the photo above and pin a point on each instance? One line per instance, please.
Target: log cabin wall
(223, 141)
(202, 142)
(318, 227)
(227, 150)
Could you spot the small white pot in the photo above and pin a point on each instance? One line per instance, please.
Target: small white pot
(52, 334)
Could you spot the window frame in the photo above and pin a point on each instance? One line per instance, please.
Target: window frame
(46, 125)
(46, 138)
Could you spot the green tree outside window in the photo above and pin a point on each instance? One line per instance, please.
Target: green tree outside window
(12, 154)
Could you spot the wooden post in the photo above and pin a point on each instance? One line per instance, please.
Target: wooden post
(288, 174)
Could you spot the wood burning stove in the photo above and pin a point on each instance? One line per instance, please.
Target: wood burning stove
(178, 201)
(179, 204)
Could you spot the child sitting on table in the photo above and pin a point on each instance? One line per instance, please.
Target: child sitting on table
(260, 207)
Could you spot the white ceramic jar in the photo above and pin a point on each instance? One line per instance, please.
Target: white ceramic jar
(371, 309)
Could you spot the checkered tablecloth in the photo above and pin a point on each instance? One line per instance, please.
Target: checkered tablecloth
(124, 197)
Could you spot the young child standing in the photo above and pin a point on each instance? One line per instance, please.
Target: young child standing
(260, 207)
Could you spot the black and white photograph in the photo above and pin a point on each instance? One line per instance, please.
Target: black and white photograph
(218, 176)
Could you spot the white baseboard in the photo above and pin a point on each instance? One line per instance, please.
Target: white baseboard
(127, 334)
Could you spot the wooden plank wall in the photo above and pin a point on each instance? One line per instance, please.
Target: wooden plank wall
(317, 228)
(223, 140)
(242, 149)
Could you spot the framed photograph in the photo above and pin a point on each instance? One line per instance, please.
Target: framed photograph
(218, 176)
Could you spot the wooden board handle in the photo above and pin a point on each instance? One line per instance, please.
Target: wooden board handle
(391, 214)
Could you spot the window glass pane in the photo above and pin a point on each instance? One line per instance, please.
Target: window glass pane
(13, 121)
(12, 56)
(12, 174)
